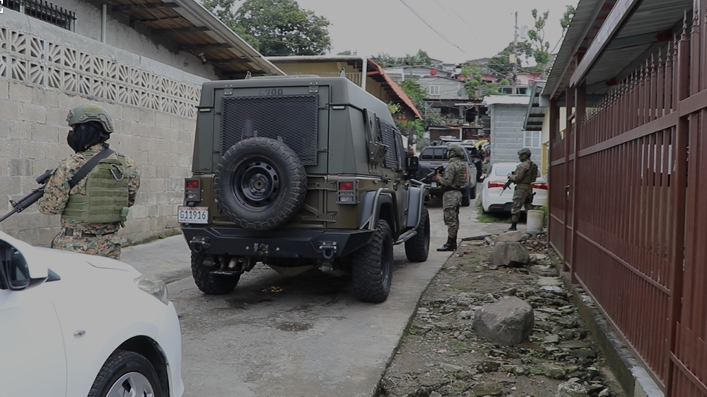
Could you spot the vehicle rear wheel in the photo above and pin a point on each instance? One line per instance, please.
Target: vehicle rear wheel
(207, 282)
(418, 247)
(372, 266)
(127, 373)
(261, 183)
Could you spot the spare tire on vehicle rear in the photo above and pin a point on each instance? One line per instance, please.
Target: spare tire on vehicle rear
(260, 183)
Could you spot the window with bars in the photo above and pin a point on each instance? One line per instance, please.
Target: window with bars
(434, 90)
(45, 11)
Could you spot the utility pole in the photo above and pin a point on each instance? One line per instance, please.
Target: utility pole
(514, 56)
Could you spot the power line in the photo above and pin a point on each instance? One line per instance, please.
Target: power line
(430, 26)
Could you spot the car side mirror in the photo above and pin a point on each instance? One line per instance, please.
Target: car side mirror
(413, 164)
(16, 271)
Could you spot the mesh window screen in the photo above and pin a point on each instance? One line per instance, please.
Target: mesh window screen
(290, 118)
(388, 137)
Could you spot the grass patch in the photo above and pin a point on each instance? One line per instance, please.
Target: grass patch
(491, 217)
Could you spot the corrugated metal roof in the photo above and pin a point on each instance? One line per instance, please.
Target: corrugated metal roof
(647, 28)
(376, 72)
(195, 30)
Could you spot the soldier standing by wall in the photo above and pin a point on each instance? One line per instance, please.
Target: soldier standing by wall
(524, 175)
(94, 204)
(453, 181)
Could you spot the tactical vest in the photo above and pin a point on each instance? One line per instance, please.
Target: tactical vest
(459, 179)
(531, 175)
(106, 198)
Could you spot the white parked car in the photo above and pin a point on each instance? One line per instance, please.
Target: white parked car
(492, 200)
(81, 325)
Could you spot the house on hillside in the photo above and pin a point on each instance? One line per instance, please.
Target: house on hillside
(457, 115)
(144, 61)
(362, 71)
(627, 185)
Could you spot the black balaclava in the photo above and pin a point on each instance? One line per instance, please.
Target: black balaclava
(85, 135)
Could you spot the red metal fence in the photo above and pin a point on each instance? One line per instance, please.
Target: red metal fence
(628, 183)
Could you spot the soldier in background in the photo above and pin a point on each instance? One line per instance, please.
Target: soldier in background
(95, 207)
(453, 182)
(524, 175)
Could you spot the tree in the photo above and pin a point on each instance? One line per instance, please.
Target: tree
(541, 48)
(275, 27)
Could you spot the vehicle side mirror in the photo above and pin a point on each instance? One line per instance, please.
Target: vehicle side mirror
(413, 164)
(16, 272)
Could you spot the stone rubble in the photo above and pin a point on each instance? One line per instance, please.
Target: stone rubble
(442, 355)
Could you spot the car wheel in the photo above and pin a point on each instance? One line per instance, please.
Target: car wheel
(260, 183)
(466, 201)
(207, 282)
(126, 373)
(418, 247)
(372, 266)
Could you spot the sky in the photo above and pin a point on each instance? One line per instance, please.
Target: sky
(452, 31)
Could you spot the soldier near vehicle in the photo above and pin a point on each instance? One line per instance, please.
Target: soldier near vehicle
(524, 175)
(453, 182)
(91, 189)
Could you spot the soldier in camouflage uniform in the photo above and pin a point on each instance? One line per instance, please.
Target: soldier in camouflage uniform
(524, 175)
(95, 208)
(453, 182)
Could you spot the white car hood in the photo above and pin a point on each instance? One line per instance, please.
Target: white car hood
(75, 267)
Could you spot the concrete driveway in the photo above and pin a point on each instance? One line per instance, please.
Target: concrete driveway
(300, 336)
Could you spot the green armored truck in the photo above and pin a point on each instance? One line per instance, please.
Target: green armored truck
(300, 172)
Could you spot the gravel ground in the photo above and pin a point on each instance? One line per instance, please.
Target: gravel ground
(441, 355)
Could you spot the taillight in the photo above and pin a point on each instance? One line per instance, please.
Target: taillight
(496, 184)
(192, 190)
(346, 186)
(347, 193)
(539, 185)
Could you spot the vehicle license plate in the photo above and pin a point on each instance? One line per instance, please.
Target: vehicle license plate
(193, 214)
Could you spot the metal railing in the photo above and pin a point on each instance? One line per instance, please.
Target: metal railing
(45, 11)
(626, 209)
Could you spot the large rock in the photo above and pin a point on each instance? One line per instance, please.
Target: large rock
(508, 321)
(509, 253)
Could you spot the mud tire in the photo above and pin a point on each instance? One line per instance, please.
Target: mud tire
(417, 249)
(207, 282)
(372, 266)
(260, 183)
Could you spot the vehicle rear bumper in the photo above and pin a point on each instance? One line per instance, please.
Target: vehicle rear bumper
(281, 243)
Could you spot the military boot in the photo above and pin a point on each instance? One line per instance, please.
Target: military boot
(450, 245)
(513, 226)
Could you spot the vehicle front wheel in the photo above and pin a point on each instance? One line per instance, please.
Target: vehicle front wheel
(208, 283)
(127, 373)
(418, 247)
(372, 266)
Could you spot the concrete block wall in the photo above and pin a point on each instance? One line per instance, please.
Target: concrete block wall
(507, 132)
(44, 72)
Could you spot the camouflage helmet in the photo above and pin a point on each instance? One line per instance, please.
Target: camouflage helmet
(455, 150)
(524, 152)
(85, 113)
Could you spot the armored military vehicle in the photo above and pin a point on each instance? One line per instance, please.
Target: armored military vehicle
(298, 173)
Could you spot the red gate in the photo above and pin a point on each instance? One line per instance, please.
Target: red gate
(626, 182)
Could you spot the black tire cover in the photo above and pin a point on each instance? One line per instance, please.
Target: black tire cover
(260, 183)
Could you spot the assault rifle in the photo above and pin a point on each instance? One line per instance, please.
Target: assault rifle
(434, 171)
(507, 185)
(26, 201)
